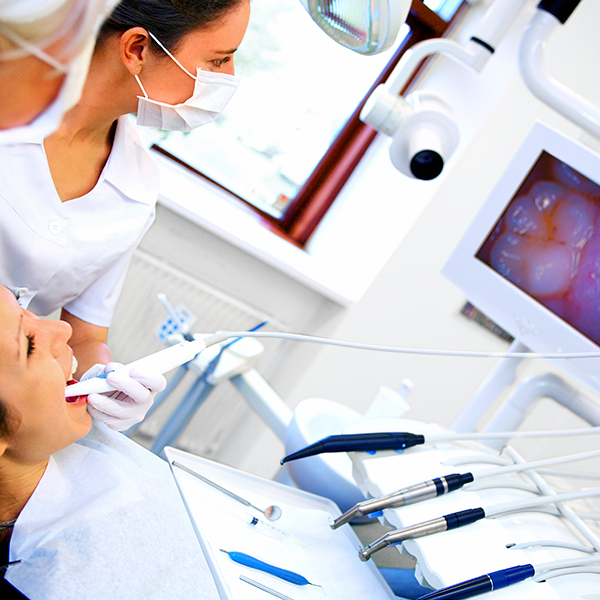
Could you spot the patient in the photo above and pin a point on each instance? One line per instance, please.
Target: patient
(89, 513)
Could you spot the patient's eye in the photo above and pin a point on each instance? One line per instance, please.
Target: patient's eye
(30, 345)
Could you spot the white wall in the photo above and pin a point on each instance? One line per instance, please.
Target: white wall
(409, 303)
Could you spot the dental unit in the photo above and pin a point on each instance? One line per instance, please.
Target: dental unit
(444, 485)
(466, 517)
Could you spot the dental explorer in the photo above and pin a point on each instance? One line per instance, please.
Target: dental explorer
(271, 512)
(444, 485)
(466, 517)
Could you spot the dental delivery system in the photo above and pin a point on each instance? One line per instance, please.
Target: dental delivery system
(466, 517)
(160, 362)
(367, 442)
(444, 485)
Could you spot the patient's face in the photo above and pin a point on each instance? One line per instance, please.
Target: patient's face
(35, 364)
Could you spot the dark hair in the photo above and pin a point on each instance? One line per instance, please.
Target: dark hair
(7, 422)
(168, 20)
(3, 422)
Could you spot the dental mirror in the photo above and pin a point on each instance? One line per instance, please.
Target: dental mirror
(271, 512)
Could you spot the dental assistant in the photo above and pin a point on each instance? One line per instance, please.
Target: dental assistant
(75, 205)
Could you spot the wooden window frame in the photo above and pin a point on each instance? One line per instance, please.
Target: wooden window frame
(320, 190)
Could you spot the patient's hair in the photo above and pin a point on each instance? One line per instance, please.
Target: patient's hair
(4, 428)
(168, 20)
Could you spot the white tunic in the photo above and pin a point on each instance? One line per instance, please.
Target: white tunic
(107, 522)
(74, 254)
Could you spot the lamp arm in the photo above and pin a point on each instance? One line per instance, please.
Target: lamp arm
(540, 84)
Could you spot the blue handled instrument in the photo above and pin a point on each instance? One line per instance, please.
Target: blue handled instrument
(255, 563)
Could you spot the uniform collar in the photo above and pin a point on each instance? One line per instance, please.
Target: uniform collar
(130, 168)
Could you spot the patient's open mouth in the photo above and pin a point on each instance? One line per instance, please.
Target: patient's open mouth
(75, 399)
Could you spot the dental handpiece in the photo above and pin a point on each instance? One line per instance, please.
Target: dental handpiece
(159, 362)
(405, 496)
(446, 484)
(444, 523)
(466, 517)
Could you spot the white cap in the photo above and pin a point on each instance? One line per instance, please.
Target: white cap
(24, 11)
(42, 22)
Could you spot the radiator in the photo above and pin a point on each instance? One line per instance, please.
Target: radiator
(138, 317)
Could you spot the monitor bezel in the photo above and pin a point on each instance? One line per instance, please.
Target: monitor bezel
(527, 320)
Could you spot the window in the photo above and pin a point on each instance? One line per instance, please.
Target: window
(291, 136)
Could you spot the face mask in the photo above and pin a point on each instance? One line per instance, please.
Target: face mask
(68, 96)
(212, 92)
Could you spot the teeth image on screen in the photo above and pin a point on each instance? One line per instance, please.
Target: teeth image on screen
(547, 243)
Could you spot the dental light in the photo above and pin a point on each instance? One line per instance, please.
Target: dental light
(424, 134)
(365, 26)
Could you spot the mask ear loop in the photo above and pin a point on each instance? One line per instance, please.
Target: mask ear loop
(170, 55)
(143, 89)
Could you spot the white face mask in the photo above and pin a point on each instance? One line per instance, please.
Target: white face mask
(68, 96)
(212, 92)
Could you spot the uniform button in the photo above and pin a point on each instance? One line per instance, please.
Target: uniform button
(54, 227)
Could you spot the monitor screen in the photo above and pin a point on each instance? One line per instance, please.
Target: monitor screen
(531, 258)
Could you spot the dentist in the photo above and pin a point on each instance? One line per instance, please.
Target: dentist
(75, 205)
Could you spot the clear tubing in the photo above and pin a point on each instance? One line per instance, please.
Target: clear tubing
(520, 505)
(553, 544)
(401, 350)
(567, 512)
(565, 563)
(560, 572)
(535, 464)
(453, 437)
(573, 474)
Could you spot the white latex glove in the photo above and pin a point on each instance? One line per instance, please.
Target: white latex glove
(130, 401)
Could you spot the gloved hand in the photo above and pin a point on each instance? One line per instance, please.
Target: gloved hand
(130, 401)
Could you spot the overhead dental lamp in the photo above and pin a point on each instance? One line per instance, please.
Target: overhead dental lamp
(365, 26)
(424, 134)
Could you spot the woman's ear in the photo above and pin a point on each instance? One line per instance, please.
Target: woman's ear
(134, 49)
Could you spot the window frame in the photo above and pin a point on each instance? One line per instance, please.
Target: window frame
(319, 191)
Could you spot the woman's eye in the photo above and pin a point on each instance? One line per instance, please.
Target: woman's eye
(30, 345)
(221, 61)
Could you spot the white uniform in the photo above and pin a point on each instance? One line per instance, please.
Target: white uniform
(107, 521)
(74, 254)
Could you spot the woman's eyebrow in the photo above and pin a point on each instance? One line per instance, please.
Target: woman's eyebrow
(226, 51)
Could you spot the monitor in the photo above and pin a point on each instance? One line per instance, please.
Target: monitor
(530, 260)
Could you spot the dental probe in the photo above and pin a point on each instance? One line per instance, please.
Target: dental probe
(356, 442)
(445, 484)
(466, 517)
(160, 362)
(500, 579)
